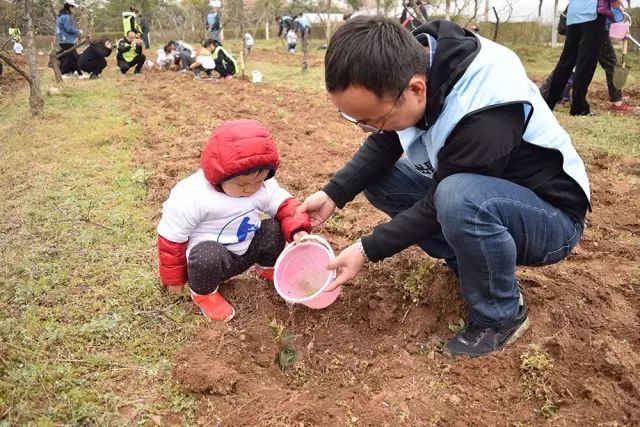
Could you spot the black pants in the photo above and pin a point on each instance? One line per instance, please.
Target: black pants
(225, 70)
(94, 66)
(607, 61)
(581, 50)
(138, 61)
(69, 61)
(145, 40)
(210, 263)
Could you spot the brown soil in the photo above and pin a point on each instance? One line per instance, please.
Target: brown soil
(10, 80)
(372, 357)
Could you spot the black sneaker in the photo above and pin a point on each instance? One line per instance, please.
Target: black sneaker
(94, 76)
(474, 340)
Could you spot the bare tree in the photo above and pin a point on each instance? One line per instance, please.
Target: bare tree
(36, 102)
(540, 9)
(554, 27)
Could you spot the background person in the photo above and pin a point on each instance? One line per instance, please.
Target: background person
(226, 64)
(292, 39)
(16, 36)
(582, 46)
(285, 23)
(130, 54)
(248, 44)
(67, 37)
(212, 24)
(93, 58)
(204, 60)
(164, 61)
(144, 28)
(184, 55)
(130, 23)
(303, 27)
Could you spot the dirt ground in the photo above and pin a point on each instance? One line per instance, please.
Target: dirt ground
(372, 357)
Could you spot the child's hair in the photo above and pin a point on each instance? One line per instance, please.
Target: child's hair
(367, 43)
(167, 47)
(208, 42)
(100, 41)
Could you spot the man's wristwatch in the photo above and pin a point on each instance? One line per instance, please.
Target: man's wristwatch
(362, 251)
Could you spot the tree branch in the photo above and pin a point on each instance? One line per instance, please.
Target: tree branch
(6, 58)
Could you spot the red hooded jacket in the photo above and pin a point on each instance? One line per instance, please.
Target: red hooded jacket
(234, 148)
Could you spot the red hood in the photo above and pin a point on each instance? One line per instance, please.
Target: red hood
(238, 147)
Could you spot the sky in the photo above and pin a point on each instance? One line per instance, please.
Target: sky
(523, 9)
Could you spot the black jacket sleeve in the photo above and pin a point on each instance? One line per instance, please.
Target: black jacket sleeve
(123, 47)
(481, 143)
(377, 154)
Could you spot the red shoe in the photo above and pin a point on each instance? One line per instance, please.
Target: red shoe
(623, 107)
(214, 306)
(265, 273)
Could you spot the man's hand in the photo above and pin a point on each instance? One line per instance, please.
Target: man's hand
(318, 206)
(348, 263)
(176, 290)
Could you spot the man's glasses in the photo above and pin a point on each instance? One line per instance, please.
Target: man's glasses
(367, 127)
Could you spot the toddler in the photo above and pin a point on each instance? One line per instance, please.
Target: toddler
(211, 227)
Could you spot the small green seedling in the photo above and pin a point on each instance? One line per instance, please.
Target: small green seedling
(457, 327)
(287, 355)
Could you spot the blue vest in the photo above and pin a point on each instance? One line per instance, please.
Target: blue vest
(495, 77)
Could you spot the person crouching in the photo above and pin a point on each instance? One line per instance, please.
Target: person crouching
(211, 227)
(130, 53)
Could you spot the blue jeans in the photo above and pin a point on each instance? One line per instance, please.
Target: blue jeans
(488, 226)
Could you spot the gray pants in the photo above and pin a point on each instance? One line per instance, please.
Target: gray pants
(184, 59)
(215, 34)
(210, 263)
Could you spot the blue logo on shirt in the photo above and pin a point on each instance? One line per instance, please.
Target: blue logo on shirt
(245, 228)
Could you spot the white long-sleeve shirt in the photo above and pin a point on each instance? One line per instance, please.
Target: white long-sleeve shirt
(196, 212)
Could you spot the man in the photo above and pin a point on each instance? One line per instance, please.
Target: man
(130, 54)
(466, 158)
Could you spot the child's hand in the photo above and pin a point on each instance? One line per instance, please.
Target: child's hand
(299, 236)
(176, 290)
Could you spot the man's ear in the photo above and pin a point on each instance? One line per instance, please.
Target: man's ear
(418, 86)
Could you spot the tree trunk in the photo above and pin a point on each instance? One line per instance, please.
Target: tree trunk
(36, 102)
(540, 9)
(486, 11)
(447, 12)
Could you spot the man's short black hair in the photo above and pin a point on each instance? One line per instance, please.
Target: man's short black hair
(375, 53)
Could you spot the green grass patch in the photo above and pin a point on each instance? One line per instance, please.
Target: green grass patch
(86, 333)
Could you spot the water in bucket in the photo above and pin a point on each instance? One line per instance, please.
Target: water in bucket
(301, 276)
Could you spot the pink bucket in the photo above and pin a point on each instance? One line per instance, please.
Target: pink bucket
(619, 30)
(301, 274)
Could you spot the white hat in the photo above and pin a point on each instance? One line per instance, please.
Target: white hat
(71, 3)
